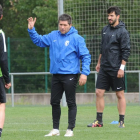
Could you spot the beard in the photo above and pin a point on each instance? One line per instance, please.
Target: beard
(113, 22)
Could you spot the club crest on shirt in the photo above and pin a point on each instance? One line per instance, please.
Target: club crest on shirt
(67, 43)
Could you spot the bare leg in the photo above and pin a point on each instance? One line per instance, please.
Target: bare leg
(121, 102)
(100, 100)
(99, 108)
(2, 114)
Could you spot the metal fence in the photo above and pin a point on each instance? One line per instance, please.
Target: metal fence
(85, 87)
(89, 17)
(24, 56)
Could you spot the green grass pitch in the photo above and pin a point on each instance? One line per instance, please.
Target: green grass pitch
(33, 122)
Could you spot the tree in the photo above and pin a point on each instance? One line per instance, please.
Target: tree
(25, 56)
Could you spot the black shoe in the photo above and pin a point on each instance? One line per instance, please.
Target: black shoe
(96, 123)
(121, 124)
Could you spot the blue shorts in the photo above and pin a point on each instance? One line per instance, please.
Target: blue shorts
(107, 79)
(2, 91)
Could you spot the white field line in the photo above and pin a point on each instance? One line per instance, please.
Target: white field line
(25, 123)
(37, 130)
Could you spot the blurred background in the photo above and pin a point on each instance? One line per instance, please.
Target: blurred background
(89, 17)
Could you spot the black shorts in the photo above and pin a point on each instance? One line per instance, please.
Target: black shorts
(107, 79)
(2, 91)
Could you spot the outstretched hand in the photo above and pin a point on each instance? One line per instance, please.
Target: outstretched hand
(31, 22)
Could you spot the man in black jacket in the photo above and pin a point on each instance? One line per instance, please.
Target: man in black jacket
(4, 75)
(114, 53)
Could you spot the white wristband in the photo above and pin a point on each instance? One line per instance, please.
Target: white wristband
(122, 67)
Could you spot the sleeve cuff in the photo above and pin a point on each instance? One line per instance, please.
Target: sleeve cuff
(84, 73)
(30, 30)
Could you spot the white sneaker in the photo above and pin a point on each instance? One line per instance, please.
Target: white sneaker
(69, 133)
(54, 132)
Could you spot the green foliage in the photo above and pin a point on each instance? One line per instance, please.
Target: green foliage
(17, 12)
(47, 20)
(132, 82)
(26, 57)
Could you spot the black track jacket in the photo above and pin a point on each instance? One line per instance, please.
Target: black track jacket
(3, 59)
(115, 46)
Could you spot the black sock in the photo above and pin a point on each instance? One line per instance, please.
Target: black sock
(99, 116)
(121, 118)
(0, 131)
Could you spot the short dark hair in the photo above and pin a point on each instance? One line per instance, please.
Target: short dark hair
(1, 11)
(65, 17)
(114, 9)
